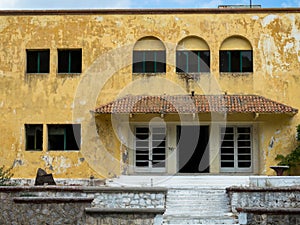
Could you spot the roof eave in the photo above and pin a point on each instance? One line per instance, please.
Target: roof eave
(136, 113)
(146, 11)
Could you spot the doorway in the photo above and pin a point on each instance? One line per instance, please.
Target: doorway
(193, 149)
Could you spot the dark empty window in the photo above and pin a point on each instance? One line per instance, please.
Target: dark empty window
(69, 61)
(37, 61)
(34, 137)
(64, 137)
(192, 61)
(236, 61)
(149, 62)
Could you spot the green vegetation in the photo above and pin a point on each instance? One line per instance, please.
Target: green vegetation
(5, 176)
(292, 159)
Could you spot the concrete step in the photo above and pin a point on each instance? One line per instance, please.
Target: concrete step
(184, 213)
(199, 220)
(194, 195)
(199, 202)
(179, 182)
(203, 207)
(198, 206)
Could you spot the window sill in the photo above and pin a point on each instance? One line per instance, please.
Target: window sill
(31, 74)
(33, 150)
(236, 171)
(63, 150)
(236, 74)
(193, 76)
(68, 74)
(149, 74)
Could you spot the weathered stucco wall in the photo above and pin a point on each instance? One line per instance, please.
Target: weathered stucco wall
(107, 40)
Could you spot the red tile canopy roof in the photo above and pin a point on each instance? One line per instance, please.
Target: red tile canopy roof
(194, 104)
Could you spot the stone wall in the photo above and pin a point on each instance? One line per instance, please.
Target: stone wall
(22, 208)
(266, 198)
(266, 205)
(132, 219)
(256, 219)
(55, 205)
(41, 213)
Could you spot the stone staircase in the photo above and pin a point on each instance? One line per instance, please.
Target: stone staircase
(198, 206)
(191, 199)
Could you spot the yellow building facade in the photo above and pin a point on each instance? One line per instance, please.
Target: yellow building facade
(111, 92)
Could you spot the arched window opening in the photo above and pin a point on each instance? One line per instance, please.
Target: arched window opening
(149, 56)
(192, 56)
(236, 55)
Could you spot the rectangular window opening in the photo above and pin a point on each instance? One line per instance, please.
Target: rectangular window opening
(149, 62)
(236, 61)
(37, 61)
(64, 137)
(192, 61)
(34, 137)
(70, 61)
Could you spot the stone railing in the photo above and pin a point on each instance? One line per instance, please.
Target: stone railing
(274, 181)
(62, 182)
(80, 205)
(130, 198)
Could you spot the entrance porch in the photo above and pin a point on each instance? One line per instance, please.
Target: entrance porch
(197, 134)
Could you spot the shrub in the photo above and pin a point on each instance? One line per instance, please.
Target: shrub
(292, 159)
(5, 176)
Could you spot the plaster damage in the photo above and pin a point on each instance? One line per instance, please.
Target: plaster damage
(268, 20)
(268, 46)
(295, 35)
(277, 46)
(60, 164)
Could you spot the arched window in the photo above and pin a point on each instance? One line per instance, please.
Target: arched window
(236, 55)
(149, 56)
(192, 55)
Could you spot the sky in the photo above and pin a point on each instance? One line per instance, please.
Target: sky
(137, 4)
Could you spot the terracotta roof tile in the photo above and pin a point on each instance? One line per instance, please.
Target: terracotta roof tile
(194, 104)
